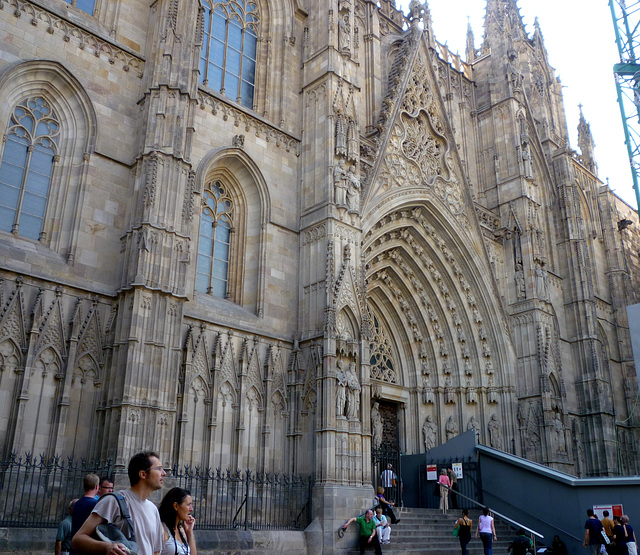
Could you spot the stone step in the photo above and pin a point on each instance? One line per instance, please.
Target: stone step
(428, 531)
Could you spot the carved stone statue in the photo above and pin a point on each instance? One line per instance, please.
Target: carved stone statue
(449, 392)
(495, 432)
(521, 290)
(451, 428)
(429, 433)
(526, 160)
(473, 423)
(341, 182)
(558, 434)
(353, 150)
(353, 392)
(428, 397)
(376, 425)
(341, 389)
(472, 393)
(353, 191)
(344, 33)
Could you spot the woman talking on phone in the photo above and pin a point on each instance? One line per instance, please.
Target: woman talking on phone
(175, 513)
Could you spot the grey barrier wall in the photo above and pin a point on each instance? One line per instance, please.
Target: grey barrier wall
(40, 541)
(552, 502)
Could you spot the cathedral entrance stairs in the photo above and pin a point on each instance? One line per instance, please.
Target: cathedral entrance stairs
(428, 531)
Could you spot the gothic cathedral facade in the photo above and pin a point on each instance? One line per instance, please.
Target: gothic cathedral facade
(241, 231)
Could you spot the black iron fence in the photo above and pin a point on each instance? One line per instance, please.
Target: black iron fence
(225, 499)
(381, 458)
(35, 492)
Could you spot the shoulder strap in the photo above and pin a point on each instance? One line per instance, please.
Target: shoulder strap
(130, 533)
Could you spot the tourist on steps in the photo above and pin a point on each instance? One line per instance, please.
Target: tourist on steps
(368, 535)
(487, 531)
(464, 524)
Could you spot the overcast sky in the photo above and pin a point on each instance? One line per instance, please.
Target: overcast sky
(580, 42)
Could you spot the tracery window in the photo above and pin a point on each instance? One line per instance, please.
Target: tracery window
(229, 48)
(28, 158)
(382, 366)
(87, 6)
(216, 227)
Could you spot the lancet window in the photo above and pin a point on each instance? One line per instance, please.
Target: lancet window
(229, 48)
(214, 247)
(382, 365)
(29, 154)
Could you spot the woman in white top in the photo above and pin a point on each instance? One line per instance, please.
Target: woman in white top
(175, 512)
(487, 531)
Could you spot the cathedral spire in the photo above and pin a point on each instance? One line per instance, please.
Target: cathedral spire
(471, 49)
(502, 19)
(585, 143)
(538, 40)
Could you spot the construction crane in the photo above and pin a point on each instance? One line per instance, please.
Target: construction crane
(626, 24)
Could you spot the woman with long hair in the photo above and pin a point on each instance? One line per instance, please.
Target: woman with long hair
(487, 531)
(175, 513)
(464, 523)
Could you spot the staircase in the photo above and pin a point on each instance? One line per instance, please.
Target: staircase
(428, 531)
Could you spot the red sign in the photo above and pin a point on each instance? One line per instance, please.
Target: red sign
(432, 472)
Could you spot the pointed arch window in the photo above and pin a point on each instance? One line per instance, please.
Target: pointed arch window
(216, 228)
(28, 159)
(229, 48)
(382, 366)
(87, 6)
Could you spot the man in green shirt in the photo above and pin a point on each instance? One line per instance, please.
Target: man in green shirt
(368, 534)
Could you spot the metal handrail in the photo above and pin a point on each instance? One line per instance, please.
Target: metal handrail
(500, 515)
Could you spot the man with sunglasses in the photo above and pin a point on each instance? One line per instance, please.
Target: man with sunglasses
(145, 476)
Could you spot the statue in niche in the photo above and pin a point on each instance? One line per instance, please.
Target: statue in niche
(352, 141)
(429, 433)
(558, 434)
(353, 191)
(521, 291)
(495, 432)
(473, 423)
(526, 160)
(428, 396)
(344, 33)
(467, 367)
(341, 182)
(376, 425)
(540, 285)
(341, 391)
(425, 367)
(451, 428)
(353, 392)
(449, 393)
(341, 136)
(489, 367)
(472, 393)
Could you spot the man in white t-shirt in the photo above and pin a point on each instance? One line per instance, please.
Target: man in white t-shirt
(145, 475)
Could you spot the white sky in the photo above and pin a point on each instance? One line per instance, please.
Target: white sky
(580, 42)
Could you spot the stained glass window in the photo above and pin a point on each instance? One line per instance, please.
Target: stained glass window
(216, 226)
(229, 48)
(28, 156)
(382, 367)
